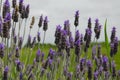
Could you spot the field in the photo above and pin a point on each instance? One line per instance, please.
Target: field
(69, 58)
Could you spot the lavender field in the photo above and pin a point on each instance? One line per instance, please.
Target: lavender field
(74, 55)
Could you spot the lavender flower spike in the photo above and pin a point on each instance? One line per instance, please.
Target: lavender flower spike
(76, 22)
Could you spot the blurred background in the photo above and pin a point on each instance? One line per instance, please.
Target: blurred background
(60, 10)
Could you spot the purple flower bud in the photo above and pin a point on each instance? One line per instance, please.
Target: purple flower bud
(89, 23)
(96, 75)
(38, 55)
(7, 17)
(113, 34)
(21, 1)
(105, 63)
(115, 45)
(40, 21)
(6, 3)
(76, 22)
(21, 76)
(45, 24)
(89, 64)
(20, 6)
(77, 35)
(14, 3)
(107, 75)
(27, 11)
(69, 76)
(5, 75)
(113, 69)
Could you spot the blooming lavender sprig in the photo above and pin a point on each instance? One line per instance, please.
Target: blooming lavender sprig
(77, 49)
(76, 22)
(105, 63)
(113, 34)
(71, 40)
(14, 3)
(87, 38)
(67, 48)
(115, 45)
(67, 27)
(20, 6)
(38, 56)
(2, 47)
(22, 15)
(63, 39)
(5, 75)
(40, 21)
(96, 75)
(15, 14)
(58, 35)
(113, 69)
(82, 64)
(27, 11)
(77, 35)
(6, 8)
(89, 23)
(19, 66)
(89, 65)
(45, 27)
(112, 49)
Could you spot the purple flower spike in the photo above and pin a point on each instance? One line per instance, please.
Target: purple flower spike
(7, 3)
(89, 64)
(45, 24)
(58, 28)
(105, 59)
(38, 52)
(89, 23)
(21, 1)
(21, 76)
(40, 21)
(77, 13)
(7, 17)
(6, 69)
(76, 22)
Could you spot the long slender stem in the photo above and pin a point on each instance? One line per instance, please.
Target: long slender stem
(0, 6)
(7, 50)
(44, 37)
(20, 23)
(24, 29)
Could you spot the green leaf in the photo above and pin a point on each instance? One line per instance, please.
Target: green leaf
(106, 37)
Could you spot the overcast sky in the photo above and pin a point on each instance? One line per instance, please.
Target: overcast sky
(60, 10)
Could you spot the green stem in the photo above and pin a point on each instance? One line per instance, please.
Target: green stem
(44, 38)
